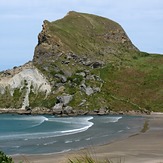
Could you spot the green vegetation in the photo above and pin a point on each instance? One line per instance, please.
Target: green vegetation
(40, 100)
(77, 79)
(132, 80)
(7, 100)
(87, 34)
(89, 159)
(5, 159)
(85, 159)
(80, 159)
(136, 85)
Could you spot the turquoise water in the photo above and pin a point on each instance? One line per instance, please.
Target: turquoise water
(27, 134)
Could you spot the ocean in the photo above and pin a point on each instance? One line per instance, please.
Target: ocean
(45, 134)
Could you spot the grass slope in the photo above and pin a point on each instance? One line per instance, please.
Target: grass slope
(136, 85)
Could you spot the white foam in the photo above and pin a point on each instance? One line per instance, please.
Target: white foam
(66, 150)
(41, 120)
(32, 120)
(50, 143)
(81, 124)
(88, 139)
(111, 119)
(15, 146)
(68, 141)
(77, 130)
(77, 140)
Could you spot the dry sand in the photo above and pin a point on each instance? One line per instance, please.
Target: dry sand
(139, 148)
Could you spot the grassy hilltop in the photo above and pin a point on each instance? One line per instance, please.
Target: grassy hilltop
(92, 60)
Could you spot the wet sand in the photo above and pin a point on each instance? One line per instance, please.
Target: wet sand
(143, 147)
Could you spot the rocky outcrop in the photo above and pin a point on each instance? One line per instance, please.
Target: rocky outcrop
(65, 99)
(88, 90)
(61, 105)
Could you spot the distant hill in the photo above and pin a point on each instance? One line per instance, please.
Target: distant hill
(86, 35)
(85, 63)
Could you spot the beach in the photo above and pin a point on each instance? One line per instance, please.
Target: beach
(145, 147)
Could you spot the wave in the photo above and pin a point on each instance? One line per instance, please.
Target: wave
(48, 154)
(68, 141)
(25, 118)
(23, 121)
(88, 138)
(78, 130)
(48, 136)
(36, 121)
(111, 119)
(71, 120)
(81, 124)
(50, 143)
(78, 124)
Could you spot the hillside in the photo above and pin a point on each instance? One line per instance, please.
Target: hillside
(83, 63)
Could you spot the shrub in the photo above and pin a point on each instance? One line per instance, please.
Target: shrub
(89, 159)
(5, 159)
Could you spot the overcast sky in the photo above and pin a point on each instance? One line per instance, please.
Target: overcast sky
(21, 21)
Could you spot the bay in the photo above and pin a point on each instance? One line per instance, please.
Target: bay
(44, 134)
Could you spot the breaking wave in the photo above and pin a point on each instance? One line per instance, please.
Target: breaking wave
(33, 127)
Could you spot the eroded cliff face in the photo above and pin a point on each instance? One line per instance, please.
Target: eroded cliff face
(25, 79)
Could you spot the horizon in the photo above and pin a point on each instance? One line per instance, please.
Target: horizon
(19, 28)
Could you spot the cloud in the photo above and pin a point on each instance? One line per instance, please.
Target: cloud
(36, 9)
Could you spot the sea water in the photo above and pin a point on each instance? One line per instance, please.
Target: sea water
(28, 134)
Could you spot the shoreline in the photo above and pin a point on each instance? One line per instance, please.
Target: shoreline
(100, 112)
(143, 147)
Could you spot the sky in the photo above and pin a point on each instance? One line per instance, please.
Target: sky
(21, 21)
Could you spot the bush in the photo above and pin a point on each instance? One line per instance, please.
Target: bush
(88, 159)
(5, 159)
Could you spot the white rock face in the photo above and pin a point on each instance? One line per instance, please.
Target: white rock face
(26, 78)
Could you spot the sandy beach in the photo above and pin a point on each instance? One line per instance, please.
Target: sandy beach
(143, 147)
